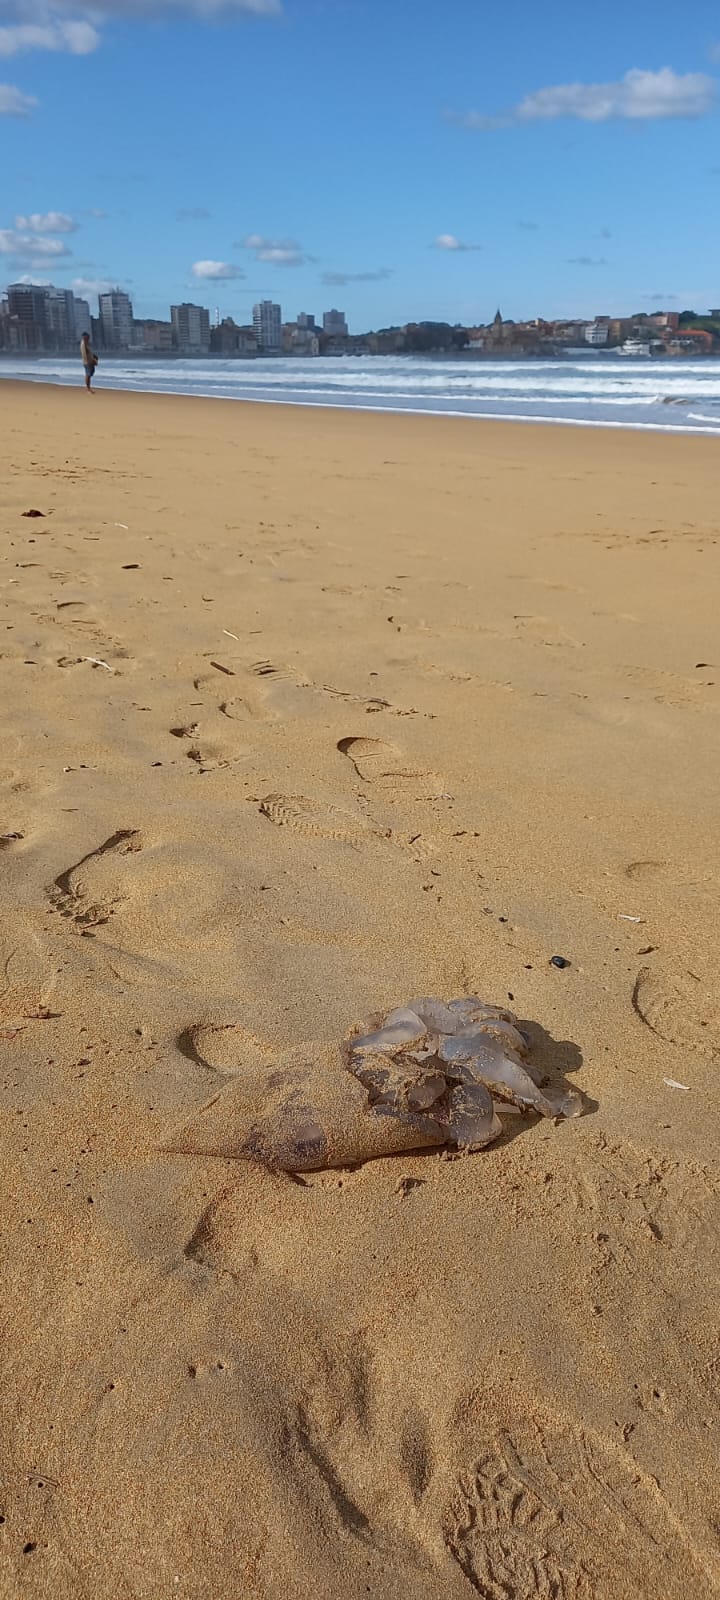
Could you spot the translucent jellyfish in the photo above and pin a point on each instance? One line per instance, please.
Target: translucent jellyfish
(468, 1052)
(423, 1075)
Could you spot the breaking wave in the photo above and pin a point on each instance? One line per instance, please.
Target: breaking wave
(608, 390)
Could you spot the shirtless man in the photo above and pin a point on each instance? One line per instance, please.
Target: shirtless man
(89, 361)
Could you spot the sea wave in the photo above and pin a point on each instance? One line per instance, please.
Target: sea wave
(594, 391)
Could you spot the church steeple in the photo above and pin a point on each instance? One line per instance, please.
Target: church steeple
(497, 320)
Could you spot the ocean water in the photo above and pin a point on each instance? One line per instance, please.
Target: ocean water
(600, 389)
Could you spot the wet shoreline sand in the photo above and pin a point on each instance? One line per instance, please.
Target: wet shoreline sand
(422, 1375)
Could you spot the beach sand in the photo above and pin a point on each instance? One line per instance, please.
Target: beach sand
(422, 1376)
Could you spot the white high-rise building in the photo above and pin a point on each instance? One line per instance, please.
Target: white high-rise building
(191, 327)
(116, 320)
(267, 322)
(335, 324)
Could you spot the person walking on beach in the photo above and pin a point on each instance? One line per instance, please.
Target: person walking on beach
(89, 360)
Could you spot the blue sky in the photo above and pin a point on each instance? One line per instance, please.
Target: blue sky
(316, 151)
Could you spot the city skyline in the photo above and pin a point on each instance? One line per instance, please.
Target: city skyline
(38, 319)
(417, 164)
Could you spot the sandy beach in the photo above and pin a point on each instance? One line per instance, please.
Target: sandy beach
(424, 1376)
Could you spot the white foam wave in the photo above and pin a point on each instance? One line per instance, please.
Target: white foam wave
(586, 391)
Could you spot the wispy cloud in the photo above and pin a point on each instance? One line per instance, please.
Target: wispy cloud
(587, 261)
(76, 38)
(13, 103)
(46, 222)
(275, 252)
(191, 214)
(63, 13)
(639, 96)
(29, 249)
(195, 8)
(448, 241)
(337, 280)
(216, 269)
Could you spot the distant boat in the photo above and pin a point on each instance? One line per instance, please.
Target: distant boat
(634, 347)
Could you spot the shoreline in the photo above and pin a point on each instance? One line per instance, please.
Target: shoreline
(689, 428)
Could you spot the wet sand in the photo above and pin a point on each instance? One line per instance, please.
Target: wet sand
(421, 1376)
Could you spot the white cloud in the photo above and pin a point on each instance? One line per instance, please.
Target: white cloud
(216, 269)
(84, 286)
(78, 38)
(13, 103)
(639, 96)
(275, 252)
(337, 280)
(27, 247)
(46, 222)
(54, 25)
(448, 241)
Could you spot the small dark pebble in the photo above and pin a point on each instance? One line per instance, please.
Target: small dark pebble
(559, 961)
(33, 513)
(30, 1546)
(131, 566)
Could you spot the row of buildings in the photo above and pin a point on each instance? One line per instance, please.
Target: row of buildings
(39, 319)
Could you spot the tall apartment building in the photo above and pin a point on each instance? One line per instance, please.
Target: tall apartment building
(335, 324)
(60, 317)
(191, 327)
(82, 317)
(27, 310)
(267, 322)
(306, 320)
(116, 320)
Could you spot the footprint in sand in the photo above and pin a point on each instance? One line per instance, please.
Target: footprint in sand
(379, 761)
(679, 1009)
(558, 1513)
(224, 1047)
(646, 871)
(210, 753)
(27, 977)
(89, 892)
(242, 707)
(314, 819)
